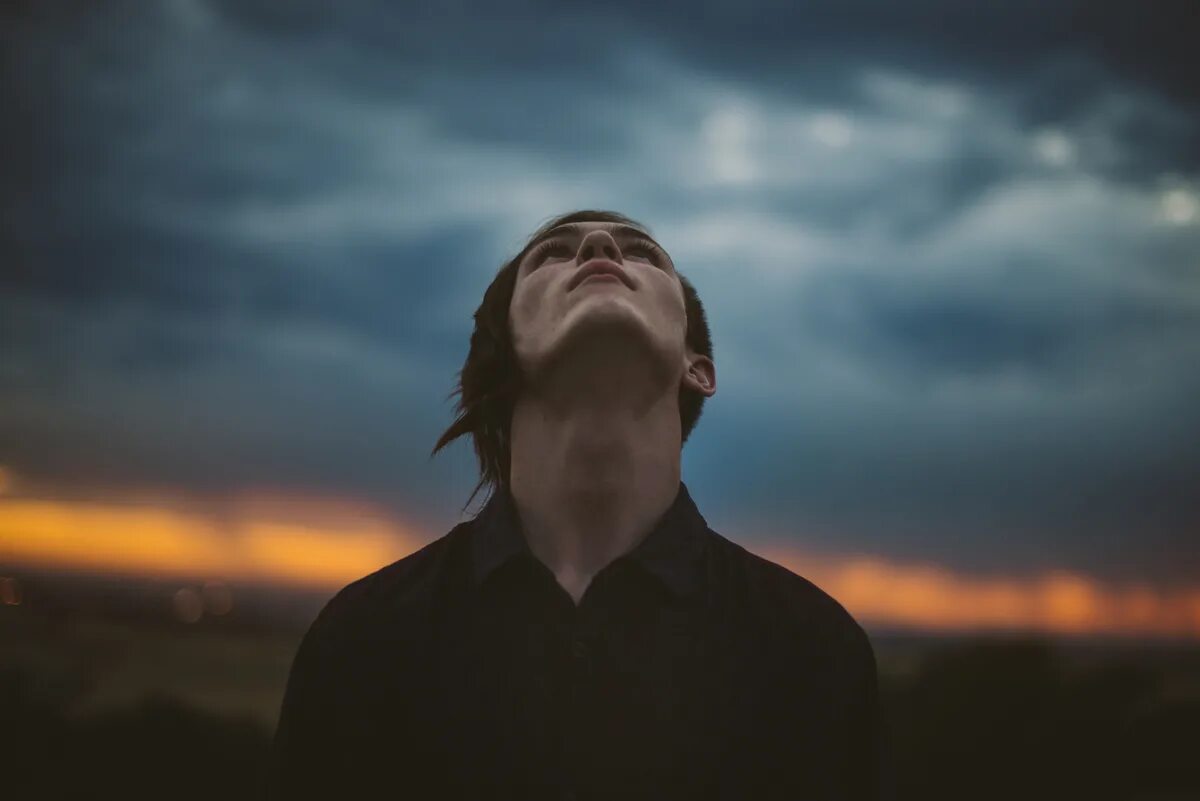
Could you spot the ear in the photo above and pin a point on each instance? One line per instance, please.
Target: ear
(701, 374)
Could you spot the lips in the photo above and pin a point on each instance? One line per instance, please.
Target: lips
(599, 267)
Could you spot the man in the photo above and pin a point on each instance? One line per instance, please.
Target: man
(585, 636)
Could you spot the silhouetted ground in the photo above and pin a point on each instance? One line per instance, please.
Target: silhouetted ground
(145, 706)
(1027, 719)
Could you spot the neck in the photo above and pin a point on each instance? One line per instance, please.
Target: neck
(595, 464)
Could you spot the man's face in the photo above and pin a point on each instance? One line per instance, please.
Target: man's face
(556, 296)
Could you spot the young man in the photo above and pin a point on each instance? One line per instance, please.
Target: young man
(586, 636)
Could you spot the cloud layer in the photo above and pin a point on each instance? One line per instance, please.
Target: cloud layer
(952, 271)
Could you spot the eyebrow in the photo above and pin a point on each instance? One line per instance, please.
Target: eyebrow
(616, 228)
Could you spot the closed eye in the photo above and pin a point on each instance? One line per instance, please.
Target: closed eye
(652, 251)
(547, 249)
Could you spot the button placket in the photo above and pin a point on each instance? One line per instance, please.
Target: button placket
(579, 651)
(580, 657)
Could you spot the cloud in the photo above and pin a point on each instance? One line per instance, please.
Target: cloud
(953, 285)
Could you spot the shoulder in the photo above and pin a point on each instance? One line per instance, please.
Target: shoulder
(407, 585)
(787, 603)
(367, 631)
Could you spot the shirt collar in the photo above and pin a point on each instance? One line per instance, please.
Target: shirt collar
(670, 552)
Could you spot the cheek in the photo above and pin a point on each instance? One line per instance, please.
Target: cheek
(518, 319)
(671, 308)
(526, 307)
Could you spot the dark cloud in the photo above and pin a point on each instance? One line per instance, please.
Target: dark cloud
(1018, 317)
(949, 251)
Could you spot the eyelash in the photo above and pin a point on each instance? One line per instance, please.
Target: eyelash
(635, 245)
(545, 248)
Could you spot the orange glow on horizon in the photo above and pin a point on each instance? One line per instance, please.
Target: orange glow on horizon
(257, 541)
(326, 543)
(933, 598)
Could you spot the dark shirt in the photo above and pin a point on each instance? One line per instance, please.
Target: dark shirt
(690, 669)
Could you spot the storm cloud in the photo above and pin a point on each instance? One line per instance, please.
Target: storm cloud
(950, 254)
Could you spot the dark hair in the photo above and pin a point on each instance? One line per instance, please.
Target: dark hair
(490, 378)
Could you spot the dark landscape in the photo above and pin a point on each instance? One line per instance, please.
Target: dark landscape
(106, 693)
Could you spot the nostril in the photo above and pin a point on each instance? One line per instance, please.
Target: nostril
(609, 249)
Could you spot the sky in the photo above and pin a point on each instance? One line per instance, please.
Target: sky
(950, 255)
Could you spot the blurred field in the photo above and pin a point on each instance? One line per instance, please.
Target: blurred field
(110, 694)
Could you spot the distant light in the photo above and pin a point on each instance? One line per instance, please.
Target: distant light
(189, 607)
(218, 598)
(1180, 206)
(832, 130)
(1053, 147)
(10, 591)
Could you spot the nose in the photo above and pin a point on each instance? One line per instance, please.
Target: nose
(596, 244)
